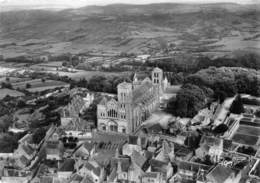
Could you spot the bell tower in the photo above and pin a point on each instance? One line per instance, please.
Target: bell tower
(125, 98)
(157, 79)
(157, 76)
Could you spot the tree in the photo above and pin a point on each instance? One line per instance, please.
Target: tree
(6, 85)
(257, 113)
(64, 64)
(189, 100)
(8, 143)
(247, 150)
(38, 135)
(220, 129)
(220, 96)
(237, 106)
(5, 122)
(28, 85)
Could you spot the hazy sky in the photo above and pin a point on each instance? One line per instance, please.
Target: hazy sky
(79, 3)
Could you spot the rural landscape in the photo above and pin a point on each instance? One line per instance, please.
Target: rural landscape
(140, 93)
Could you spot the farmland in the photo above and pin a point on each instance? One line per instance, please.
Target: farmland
(248, 130)
(4, 92)
(245, 139)
(79, 74)
(247, 135)
(38, 84)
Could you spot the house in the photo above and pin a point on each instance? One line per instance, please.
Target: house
(76, 178)
(210, 146)
(153, 177)
(142, 58)
(222, 174)
(54, 148)
(66, 168)
(93, 170)
(134, 143)
(127, 169)
(83, 151)
(70, 116)
(44, 58)
(24, 154)
(204, 116)
(189, 170)
(13, 175)
(120, 166)
(166, 153)
(165, 168)
(183, 154)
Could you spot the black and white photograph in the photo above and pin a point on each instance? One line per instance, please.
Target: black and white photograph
(129, 91)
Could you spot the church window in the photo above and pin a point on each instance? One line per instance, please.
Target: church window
(112, 113)
(123, 130)
(113, 128)
(104, 128)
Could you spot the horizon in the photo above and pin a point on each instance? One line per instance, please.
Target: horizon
(82, 3)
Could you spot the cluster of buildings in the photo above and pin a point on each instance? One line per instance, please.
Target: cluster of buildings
(121, 149)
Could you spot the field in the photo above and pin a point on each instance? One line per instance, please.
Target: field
(245, 139)
(87, 74)
(248, 130)
(137, 29)
(4, 92)
(12, 79)
(39, 85)
(5, 70)
(247, 135)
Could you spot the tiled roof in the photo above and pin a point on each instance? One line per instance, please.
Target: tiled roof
(94, 167)
(47, 179)
(210, 141)
(67, 166)
(141, 92)
(24, 160)
(138, 158)
(219, 174)
(132, 139)
(103, 101)
(125, 163)
(124, 85)
(28, 149)
(76, 177)
(151, 174)
(185, 165)
(158, 166)
(157, 69)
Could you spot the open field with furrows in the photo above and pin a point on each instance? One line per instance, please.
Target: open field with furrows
(38, 83)
(79, 74)
(247, 135)
(12, 79)
(248, 130)
(206, 29)
(4, 92)
(245, 139)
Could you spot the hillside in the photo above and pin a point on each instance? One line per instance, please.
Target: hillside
(215, 29)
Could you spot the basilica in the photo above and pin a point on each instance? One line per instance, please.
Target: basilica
(135, 103)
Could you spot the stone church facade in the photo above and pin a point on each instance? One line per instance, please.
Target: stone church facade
(135, 103)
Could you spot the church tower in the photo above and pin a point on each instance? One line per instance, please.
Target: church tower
(124, 93)
(157, 78)
(125, 98)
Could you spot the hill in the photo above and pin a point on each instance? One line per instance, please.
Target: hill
(215, 29)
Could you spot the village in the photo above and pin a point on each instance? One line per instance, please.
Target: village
(129, 137)
(145, 92)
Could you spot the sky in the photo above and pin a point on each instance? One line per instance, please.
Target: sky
(80, 3)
